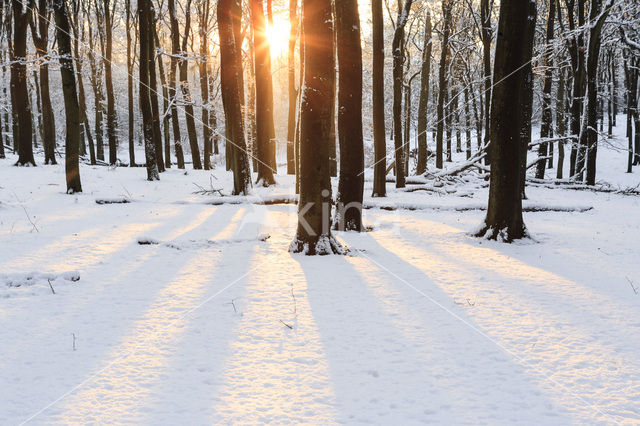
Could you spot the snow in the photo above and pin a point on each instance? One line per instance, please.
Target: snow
(176, 307)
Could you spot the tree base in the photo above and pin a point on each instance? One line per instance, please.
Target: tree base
(503, 235)
(321, 245)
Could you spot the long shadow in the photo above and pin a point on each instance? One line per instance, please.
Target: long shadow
(569, 302)
(557, 353)
(192, 380)
(89, 320)
(385, 366)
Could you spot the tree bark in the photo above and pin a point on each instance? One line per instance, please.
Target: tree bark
(186, 93)
(398, 83)
(72, 109)
(146, 64)
(351, 181)
(293, 92)
(561, 122)
(379, 133)
(589, 136)
(40, 35)
(527, 100)
(313, 235)
(23, 130)
(424, 96)
(132, 154)
(442, 81)
(203, 69)
(108, 78)
(547, 116)
(265, 130)
(504, 214)
(175, 51)
(231, 97)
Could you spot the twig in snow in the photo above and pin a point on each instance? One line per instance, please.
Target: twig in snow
(235, 311)
(635, 289)
(286, 324)
(74, 341)
(295, 304)
(26, 212)
(52, 290)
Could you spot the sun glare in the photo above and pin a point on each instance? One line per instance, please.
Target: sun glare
(278, 35)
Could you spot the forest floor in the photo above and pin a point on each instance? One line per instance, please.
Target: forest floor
(181, 308)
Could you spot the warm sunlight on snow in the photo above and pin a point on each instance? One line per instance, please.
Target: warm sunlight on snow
(278, 35)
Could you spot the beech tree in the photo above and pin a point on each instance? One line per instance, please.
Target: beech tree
(265, 131)
(424, 96)
(71, 107)
(40, 34)
(351, 181)
(313, 235)
(231, 97)
(379, 134)
(293, 92)
(109, 8)
(146, 63)
(504, 214)
(442, 80)
(19, 91)
(398, 61)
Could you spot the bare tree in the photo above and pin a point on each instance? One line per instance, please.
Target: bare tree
(351, 182)
(504, 214)
(398, 64)
(313, 235)
(379, 134)
(72, 109)
(231, 97)
(424, 96)
(146, 63)
(265, 131)
(40, 34)
(19, 91)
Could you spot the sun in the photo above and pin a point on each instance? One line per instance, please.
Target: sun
(278, 35)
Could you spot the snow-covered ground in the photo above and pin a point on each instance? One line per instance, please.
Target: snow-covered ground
(176, 309)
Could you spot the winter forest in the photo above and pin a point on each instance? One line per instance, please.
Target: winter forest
(319, 211)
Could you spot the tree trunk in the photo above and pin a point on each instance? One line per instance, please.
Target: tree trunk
(576, 50)
(487, 34)
(504, 213)
(72, 109)
(203, 70)
(265, 131)
(186, 93)
(424, 96)
(20, 92)
(145, 20)
(589, 137)
(313, 235)
(231, 98)
(79, 38)
(351, 181)
(153, 93)
(379, 133)
(108, 78)
(561, 122)
(467, 120)
(398, 66)
(442, 81)
(527, 100)
(175, 51)
(293, 93)
(547, 115)
(40, 35)
(132, 154)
